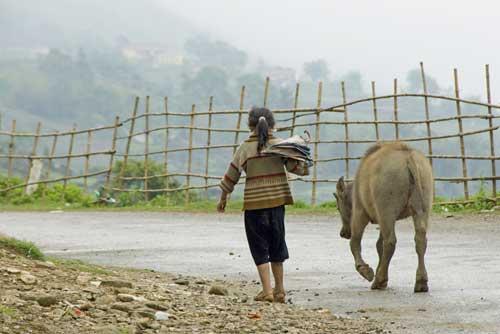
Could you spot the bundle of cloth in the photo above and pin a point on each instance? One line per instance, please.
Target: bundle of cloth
(294, 148)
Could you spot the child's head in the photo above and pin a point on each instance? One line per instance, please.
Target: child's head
(261, 120)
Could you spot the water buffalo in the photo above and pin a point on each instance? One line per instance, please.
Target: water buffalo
(393, 181)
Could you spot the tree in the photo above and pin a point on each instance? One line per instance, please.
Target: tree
(414, 82)
(220, 54)
(317, 70)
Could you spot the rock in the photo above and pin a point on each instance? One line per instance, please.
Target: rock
(45, 264)
(85, 307)
(105, 300)
(47, 301)
(144, 323)
(161, 316)
(146, 314)
(117, 284)
(12, 270)
(121, 307)
(27, 278)
(181, 281)
(218, 290)
(95, 283)
(156, 306)
(83, 278)
(125, 298)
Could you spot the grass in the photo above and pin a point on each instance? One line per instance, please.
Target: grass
(7, 311)
(81, 266)
(25, 248)
(235, 206)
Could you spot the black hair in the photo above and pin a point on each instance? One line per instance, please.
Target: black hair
(261, 119)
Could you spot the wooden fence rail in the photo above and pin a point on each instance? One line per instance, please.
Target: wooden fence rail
(158, 138)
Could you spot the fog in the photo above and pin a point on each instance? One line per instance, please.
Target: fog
(381, 39)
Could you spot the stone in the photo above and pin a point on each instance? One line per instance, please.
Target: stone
(146, 314)
(117, 284)
(106, 300)
(45, 264)
(156, 306)
(181, 281)
(161, 316)
(121, 307)
(125, 298)
(12, 270)
(218, 290)
(27, 278)
(83, 278)
(47, 301)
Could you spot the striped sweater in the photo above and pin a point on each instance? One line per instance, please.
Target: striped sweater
(266, 183)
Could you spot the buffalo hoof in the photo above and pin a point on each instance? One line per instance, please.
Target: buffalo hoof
(421, 286)
(379, 285)
(366, 272)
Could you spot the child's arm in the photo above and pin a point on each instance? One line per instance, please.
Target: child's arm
(230, 179)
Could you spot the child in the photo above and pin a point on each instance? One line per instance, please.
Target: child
(265, 196)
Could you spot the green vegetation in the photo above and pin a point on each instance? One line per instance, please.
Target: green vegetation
(8, 311)
(25, 248)
(480, 202)
(81, 266)
(51, 197)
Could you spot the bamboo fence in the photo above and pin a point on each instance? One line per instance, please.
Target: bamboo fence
(123, 135)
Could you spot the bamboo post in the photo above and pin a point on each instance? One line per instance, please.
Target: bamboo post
(165, 163)
(396, 118)
(87, 160)
(295, 106)
(112, 156)
(426, 108)
(11, 148)
(49, 162)
(33, 153)
(461, 136)
(238, 123)
(266, 91)
(346, 130)
(190, 153)
(375, 114)
(146, 151)
(129, 141)
(68, 162)
(316, 143)
(209, 142)
(492, 141)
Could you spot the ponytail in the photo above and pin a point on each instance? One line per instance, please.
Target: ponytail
(262, 132)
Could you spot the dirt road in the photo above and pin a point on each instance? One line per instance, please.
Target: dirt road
(463, 261)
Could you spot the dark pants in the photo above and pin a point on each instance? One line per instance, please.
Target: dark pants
(265, 229)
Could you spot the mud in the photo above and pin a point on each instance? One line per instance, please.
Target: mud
(462, 261)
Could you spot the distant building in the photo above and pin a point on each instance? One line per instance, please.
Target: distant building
(158, 56)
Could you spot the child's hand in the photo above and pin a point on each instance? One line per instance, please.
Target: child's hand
(221, 206)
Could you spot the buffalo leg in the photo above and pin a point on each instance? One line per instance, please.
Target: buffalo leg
(380, 249)
(420, 223)
(358, 225)
(388, 246)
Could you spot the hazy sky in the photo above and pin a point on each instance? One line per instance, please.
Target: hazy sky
(382, 39)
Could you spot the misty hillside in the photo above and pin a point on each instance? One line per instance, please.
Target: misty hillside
(92, 23)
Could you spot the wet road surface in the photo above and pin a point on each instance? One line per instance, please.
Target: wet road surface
(463, 260)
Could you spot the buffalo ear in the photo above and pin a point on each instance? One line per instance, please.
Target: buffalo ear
(336, 197)
(340, 185)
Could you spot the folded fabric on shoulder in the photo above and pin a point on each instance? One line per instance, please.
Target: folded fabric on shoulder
(294, 148)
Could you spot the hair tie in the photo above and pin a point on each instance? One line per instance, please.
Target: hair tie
(262, 118)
